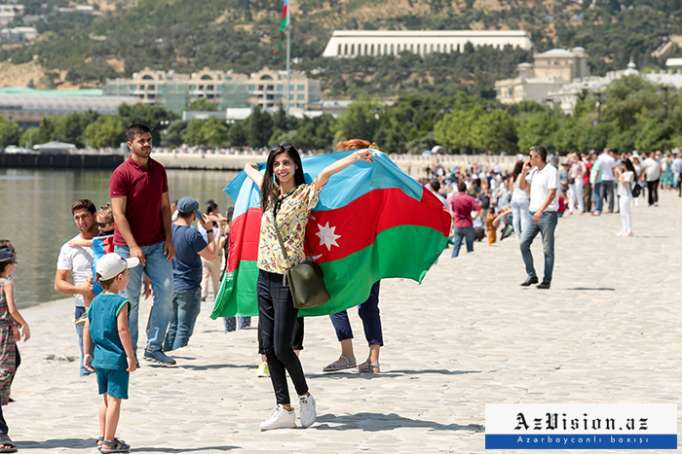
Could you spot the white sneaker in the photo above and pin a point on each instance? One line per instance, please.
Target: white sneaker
(308, 412)
(280, 419)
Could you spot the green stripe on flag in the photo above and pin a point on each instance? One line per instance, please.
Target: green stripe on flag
(407, 251)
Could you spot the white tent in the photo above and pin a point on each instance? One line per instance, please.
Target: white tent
(54, 147)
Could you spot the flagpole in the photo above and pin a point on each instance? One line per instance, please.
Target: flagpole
(287, 91)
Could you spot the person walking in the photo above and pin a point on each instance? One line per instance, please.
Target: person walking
(74, 267)
(652, 176)
(625, 175)
(542, 179)
(142, 213)
(519, 202)
(461, 206)
(287, 200)
(190, 249)
(606, 193)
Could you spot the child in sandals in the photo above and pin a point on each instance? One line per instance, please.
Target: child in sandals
(114, 358)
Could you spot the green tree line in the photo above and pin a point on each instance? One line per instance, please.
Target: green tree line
(630, 114)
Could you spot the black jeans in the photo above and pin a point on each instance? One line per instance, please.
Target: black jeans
(276, 332)
(652, 186)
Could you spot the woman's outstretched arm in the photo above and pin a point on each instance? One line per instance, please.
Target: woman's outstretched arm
(323, 177)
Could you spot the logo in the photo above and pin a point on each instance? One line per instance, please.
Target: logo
(581, 426)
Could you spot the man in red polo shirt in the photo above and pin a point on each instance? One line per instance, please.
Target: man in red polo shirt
(461, 206)
(139, 198)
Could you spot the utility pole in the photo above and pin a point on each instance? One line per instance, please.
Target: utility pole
(288, 87)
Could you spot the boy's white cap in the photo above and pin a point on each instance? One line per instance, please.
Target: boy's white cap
(111, 265)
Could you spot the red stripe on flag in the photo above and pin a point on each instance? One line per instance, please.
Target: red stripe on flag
(244, 236)
(285, 9)
(334, 234)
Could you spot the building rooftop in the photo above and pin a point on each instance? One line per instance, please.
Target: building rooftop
(51, 93)
(554, 53)
(431, 33)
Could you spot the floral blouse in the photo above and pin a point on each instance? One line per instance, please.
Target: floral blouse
(292, 218)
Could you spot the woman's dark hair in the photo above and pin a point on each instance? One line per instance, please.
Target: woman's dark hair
(270, 182)
(518, 167)
(630, 166)
(211, 206)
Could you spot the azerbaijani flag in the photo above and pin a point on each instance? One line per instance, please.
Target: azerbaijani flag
(284, 17)
(372, 222)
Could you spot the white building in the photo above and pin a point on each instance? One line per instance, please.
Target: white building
(566, 97)
(353, 43)
(10, 12)
(549, 72)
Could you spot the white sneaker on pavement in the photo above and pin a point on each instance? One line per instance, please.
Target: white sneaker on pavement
(280, 419)
(308, 411)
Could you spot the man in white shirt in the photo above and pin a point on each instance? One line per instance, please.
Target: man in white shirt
(607, 163)
(543, 179)
(74, 266)
(652, 172)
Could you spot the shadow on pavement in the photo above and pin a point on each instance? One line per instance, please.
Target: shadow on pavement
(216, 366)
(376, 422)
(392, 373)
(72, 443)
(173, 450)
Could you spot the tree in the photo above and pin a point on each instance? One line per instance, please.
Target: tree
(9, 132)
(173, 135)
(202, 105)
(360, 121)
(106, 131)
(210, 132)
(537, 128)
(236, 136)
(259, 128)
(30, 137)
(455, 130)
(157, 118)
(495, 131)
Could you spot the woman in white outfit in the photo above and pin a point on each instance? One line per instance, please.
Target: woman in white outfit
(625, 175)
(575, 176)
(519, 202)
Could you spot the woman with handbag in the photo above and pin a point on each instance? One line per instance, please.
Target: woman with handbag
(286, 202)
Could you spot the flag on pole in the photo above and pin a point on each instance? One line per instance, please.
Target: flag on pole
(284, 17)
(372, 222)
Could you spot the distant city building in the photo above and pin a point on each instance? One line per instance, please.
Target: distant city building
(28, 107)
(353, 43)
(8, 13)
(265, 88)
(18, 34)
(567, 96)
(549, 72)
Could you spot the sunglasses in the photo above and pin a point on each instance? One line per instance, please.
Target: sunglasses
(104, 224)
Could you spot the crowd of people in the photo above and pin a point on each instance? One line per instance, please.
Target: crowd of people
(595, 182)
(142, 243)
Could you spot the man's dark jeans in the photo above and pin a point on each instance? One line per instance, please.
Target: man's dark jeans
(546, 227)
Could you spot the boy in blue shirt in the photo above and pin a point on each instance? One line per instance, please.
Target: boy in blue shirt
(114, 358)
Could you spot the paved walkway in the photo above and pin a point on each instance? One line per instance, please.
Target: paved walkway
(608, 331)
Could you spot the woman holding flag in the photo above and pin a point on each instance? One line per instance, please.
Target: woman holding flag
(287, 200)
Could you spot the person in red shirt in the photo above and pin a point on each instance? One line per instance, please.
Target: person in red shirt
(461, 206)
(139, 199)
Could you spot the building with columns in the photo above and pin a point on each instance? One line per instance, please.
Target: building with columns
(354, 43)
(265, 88)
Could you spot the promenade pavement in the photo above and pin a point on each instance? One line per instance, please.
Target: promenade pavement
(607, 332)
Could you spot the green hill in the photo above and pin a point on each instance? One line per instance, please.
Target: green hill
(242, 35)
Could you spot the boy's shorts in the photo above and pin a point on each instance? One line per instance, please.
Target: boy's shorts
(113, 382)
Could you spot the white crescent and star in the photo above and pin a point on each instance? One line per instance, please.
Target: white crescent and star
(328, 236)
